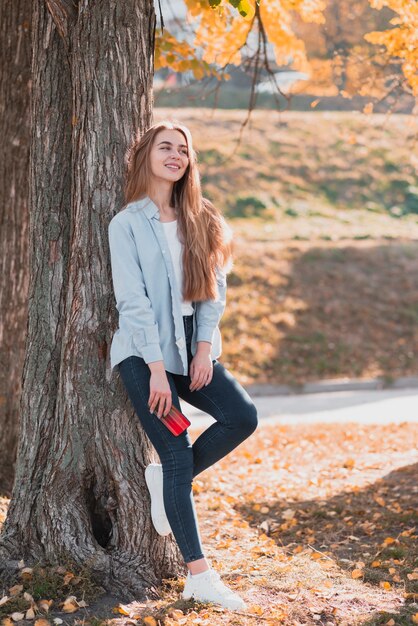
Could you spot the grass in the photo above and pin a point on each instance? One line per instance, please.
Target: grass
(48, 587)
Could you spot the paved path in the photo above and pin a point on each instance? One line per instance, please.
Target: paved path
(367, 407)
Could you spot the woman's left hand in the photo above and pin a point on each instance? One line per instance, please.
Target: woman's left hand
(201, 370)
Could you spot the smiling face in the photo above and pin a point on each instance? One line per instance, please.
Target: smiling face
(169, 155)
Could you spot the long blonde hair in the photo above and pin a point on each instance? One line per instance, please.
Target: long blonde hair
(206, 236)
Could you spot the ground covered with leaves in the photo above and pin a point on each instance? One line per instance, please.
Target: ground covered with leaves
(313, 524)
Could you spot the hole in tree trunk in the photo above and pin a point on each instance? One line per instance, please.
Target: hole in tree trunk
(101, 521)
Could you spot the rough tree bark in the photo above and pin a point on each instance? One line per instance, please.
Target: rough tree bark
(79, 491)
(15, 57)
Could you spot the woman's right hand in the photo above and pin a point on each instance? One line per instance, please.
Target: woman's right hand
(160, 391)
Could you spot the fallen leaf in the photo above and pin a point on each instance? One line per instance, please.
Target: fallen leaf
(68, 576)
(44, 605)
(288, 514)
(388, 541)
(176, 614)
(70, 605)
(121, 609)
(26, 573)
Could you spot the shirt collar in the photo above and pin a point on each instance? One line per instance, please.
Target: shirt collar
(150, 208)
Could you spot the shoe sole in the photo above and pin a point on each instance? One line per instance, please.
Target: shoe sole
(151, 482)
(192, 597)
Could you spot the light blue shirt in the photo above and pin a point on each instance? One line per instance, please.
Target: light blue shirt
(148, 296)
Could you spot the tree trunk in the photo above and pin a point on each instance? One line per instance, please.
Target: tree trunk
(80, 492)
(14, 275)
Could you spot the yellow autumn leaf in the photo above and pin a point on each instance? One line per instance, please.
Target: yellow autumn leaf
(388, 541)
(68, 576)
(415, 618)
(149, 621)
(255, 608)
(121, 609)
(70, 605)
(356, 573)
(247, 9)
(44, 605)
(384, 584)
(376, 564)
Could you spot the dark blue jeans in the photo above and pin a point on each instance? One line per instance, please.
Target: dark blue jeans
(236, 418)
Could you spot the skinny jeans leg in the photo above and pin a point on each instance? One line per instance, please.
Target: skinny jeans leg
(176, 456)
(225, 400)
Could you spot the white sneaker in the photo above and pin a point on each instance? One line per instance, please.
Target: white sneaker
(208, 587)
(154, 480)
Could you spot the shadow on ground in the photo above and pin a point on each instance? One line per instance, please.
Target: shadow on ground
(372, 530)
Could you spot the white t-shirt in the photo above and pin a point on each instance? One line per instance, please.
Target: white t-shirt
(176, 251)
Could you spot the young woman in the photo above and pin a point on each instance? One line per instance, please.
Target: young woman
(170, 251)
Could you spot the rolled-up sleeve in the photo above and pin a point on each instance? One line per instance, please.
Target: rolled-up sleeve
(209, 312)
(132, 302)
